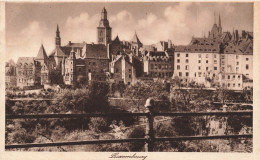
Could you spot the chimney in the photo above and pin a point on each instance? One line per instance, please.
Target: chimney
(69, 42)
(237, 36)
(169, 44)
(243, 34)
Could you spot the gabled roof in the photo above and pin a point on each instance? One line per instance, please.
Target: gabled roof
(135, 39)
(200, 45)
(116, 40)
(41, 54)
(59, 52)
(120, 57)
(28, 60)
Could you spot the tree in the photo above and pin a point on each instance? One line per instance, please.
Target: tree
(56, 77)
(159, 91)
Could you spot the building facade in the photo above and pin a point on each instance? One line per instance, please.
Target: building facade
(158, 64)
(28, 72)
(10, 74)
(218, 60)
(122, 70)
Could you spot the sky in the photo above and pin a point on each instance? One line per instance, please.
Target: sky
(28, 25)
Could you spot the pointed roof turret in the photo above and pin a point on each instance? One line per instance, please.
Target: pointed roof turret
(41, 54)
(135, 39)
(116, 40)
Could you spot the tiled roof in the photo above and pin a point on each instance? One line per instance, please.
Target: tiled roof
(232, 48)
(156, 53)
(244, 46)
(59, 52)
(95, 51)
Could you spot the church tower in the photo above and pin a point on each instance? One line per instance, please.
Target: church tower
(104, 31)
(57, 38)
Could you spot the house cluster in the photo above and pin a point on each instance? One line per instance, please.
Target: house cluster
(221, 58)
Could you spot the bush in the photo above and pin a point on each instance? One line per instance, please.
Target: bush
(137, 132)
(98, 124)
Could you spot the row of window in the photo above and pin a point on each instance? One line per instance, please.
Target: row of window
(160, 59)
(26, 65)
(229, 76)
(25, 73)
(160, 66)
(207, 56)
(195, 74)
(161, 74)
(234, 85)
(187, 55)
(21, 80)
(187, 67)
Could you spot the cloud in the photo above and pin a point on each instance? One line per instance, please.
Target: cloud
(80, 28)
(28, 41)
(177, 22)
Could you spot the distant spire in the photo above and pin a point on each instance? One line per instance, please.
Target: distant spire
(58, 31)
(215, 18)
(57, 38)
(219, 21)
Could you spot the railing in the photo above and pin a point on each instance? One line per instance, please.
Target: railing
(149, 138)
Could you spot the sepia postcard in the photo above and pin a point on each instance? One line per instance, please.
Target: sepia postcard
(135, 80)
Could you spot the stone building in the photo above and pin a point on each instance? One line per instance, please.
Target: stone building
(96, 59)
(221, 59)
(28, 72)
(158, 64)
(73, 69)
(122, 70)
(198, 61)
(10, 74)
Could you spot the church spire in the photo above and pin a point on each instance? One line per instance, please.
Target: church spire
(57, 31)
(104, 14)
(219, 25)
(57, 38)
(219, 20)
